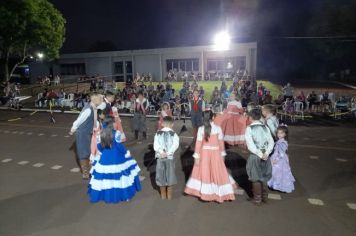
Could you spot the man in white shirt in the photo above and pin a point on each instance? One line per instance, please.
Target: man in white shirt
(260, 144)
(83, 128)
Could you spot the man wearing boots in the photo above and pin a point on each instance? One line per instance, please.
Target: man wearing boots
(166, 142)
(83, 128)
(260, 144)
(139, 120)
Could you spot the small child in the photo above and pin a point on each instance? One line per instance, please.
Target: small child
(94, 154)
(166, 142)
(282, 178)
(114, 176)
(210, 180)
(270, 120)
(165, 111)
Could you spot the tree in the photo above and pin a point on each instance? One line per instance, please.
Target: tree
(27, 27)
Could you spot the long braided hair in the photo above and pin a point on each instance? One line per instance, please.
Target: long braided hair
(207, 118)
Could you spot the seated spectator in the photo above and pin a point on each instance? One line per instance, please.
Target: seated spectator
(288, 91)
(312, 99)
(254, 97)
(223, 87)
(150, 87)
(60, 98)
(267, 98)
(160, 86)
(93, 85)
(201, 92)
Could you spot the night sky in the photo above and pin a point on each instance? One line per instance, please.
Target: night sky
(147, 24)
(166, 23)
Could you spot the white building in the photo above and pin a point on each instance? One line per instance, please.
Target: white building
(122, 65)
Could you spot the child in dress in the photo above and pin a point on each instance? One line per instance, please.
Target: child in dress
(165, 111)
(282, 178)
(166, 142)
(114, 176)
(232, 122)
(270, 120)
(94, 154)
(210, 180)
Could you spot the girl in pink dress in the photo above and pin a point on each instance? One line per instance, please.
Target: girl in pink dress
(232, 122)
(210, 180)
(165, 111)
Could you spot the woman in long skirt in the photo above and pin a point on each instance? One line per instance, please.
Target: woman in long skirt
(210, 180)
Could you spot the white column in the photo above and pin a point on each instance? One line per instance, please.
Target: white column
(160, 67)
(202, 63)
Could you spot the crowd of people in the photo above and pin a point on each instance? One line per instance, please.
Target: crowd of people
(179, 75)
(114, 174)
(9, 92)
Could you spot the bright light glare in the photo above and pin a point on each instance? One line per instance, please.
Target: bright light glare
(222, 41)
(229, 65)
(40, 55)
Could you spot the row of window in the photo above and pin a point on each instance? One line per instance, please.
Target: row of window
(191, 64)
(73, 69)
(227, 64)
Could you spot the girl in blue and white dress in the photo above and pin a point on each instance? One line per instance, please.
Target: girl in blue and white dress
(114, 173)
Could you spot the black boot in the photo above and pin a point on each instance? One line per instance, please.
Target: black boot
(264, 192)
(257, 192)
(136, 134)
(144, 135)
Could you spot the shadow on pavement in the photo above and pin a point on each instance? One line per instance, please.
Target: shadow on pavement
(149, 162)
(237, 166)
(187, 163)
(73, 148)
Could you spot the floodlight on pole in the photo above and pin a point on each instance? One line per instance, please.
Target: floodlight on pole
(222, 41)
(40, 55)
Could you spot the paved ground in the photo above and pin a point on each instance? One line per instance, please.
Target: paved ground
(41, 191)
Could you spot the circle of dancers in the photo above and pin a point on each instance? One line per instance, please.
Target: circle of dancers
(113, 173)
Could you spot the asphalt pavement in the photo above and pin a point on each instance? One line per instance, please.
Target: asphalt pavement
(42, 193)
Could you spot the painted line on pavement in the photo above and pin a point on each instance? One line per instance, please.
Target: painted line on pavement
(6, 160)
(316, 202)
(352, 206)
(274, 196)
(23, 163)
(41, 134)
(38, 165)
(56, 167)
(75, 170)
(341, 159)
(314, 157)
(239, 191)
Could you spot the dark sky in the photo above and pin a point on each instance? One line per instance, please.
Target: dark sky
(166, 23)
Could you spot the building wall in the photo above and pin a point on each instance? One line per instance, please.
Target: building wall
(148, 64)
(98, 66)
(153, 60)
